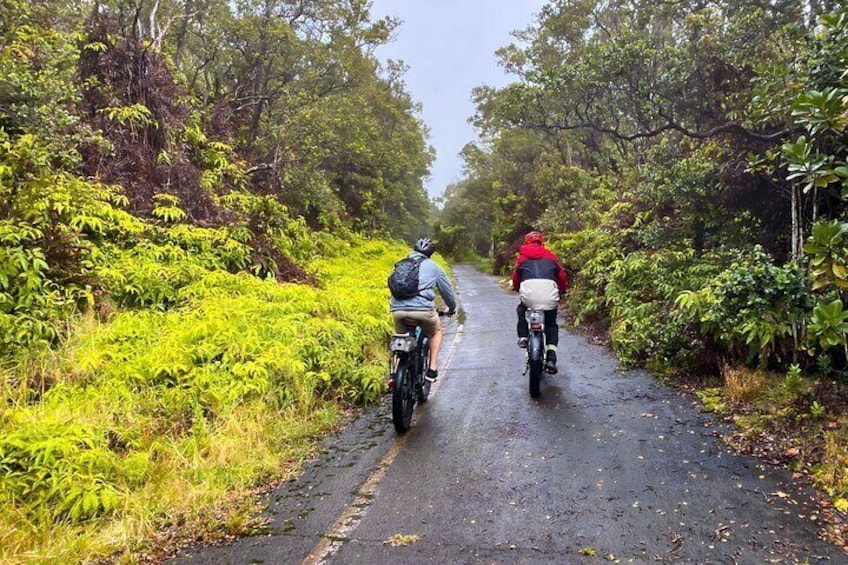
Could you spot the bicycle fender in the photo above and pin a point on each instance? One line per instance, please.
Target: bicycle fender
(535, 346)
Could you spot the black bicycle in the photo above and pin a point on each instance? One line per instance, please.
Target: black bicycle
(535, 349)
(409, 363)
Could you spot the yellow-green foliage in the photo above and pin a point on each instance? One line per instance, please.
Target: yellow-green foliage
(148, 274)
(48, 215)
(833, 472)
(156, 413)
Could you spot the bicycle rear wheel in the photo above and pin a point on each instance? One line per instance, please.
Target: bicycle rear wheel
(535, 362)
(535, 378)
(403, 398)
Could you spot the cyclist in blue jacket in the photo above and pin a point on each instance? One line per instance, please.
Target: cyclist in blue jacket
(422, 306)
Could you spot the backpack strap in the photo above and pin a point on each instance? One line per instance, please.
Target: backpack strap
(418, 264)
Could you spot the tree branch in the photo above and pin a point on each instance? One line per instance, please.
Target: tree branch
(260, 167)
(732, 128)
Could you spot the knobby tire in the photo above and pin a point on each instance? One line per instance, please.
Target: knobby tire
(403, 399)
(535, 378)
(535, 361)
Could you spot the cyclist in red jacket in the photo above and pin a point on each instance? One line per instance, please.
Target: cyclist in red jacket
(540, 279)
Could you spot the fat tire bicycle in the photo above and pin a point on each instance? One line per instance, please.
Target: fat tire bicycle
(535, 349)
(410, 359)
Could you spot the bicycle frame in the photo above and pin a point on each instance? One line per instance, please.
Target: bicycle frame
(407, 346)
(407, 375)
(410, 359)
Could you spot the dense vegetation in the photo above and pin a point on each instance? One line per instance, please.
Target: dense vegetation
(688, 161)
(198, 200)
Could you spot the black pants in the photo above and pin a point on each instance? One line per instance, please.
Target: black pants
(551, 328)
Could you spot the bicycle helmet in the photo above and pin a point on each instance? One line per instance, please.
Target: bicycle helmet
(534, 237)
(425, 245)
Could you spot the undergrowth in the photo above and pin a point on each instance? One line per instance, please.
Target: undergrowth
(151, 418)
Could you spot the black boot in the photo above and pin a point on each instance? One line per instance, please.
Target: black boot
(550, 362)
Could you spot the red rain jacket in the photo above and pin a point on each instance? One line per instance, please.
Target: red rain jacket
(535, 261)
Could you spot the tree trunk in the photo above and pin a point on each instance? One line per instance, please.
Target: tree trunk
(153, 26)
(815, 205)
(258, 78)
(182, 30)
(795, 236)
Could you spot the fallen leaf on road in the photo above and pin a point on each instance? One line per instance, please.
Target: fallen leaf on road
(400, 540)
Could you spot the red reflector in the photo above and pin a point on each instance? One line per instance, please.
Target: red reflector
(536, 326)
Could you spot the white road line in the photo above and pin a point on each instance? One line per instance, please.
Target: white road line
(352, 515)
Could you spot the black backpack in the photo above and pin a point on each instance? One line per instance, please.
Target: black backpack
(403, 282)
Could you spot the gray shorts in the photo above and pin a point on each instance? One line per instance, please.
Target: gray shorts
(429, 319)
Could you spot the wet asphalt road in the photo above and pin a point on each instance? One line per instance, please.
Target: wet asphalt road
(606, 466)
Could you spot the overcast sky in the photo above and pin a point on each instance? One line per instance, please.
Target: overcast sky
(450, 47)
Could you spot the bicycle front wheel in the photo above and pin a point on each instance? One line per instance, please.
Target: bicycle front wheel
(403, 398)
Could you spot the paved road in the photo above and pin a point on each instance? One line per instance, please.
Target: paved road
(606, 466)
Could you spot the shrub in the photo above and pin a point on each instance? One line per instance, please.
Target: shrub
(588, 257)
(751, 307)
(58, 469)
(646, 327)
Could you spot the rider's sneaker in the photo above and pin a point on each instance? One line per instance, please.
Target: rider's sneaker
(431, 376)
(522, 342)
(550, 362)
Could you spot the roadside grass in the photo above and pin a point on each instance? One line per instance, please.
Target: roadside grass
(744, 385)
(185, 494)
(157, 427)
(833, 470)
(790, 420)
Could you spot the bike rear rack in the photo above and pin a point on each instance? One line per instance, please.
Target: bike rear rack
(403, 342)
